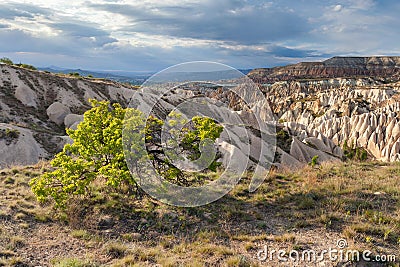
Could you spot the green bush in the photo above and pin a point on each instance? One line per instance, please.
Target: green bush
(26, 66)
(353, 152)
(6, 60)
(314, 161)
(76, 74)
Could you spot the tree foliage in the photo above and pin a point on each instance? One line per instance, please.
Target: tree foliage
(96, 152)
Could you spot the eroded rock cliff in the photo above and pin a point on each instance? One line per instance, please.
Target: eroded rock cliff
(320, 109)
(35, 108)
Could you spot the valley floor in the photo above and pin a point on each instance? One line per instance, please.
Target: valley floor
(309, 209)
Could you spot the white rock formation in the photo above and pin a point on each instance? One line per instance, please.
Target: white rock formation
(57, 112)
(26, 95)
(72, 120)
(23, 150)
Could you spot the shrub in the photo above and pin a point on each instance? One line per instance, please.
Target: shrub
(353, 152)
(6, 60)
(26, 66)
(314, 161)
(76, 74)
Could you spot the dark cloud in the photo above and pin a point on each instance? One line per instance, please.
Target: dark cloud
(13, 10)
(224, 20)
(78, 29)
(281, 51)
(97, 36)
(21, 41)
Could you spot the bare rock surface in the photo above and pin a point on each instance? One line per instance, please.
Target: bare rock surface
(20, 147)
(57, 112)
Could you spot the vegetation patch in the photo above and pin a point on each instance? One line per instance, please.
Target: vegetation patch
(9, 135)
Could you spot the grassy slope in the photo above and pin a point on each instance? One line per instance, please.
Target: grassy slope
(306, 209)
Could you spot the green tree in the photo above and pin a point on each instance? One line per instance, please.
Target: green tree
(97, 152)
(203, 131)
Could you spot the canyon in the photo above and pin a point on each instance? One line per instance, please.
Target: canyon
(319, 108)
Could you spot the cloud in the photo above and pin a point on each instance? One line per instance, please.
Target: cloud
(360, 28)
(150, 34)
(337, 8)
(223, 20)
(14, 10)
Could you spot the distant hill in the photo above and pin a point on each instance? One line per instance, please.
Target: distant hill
(138, 78)
(135, 79)
(385, 66)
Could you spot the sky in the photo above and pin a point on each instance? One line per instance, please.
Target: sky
(150, 35)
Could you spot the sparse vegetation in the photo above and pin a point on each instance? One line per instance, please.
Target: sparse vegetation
(9, 135)
(73, 262)
(26, 66)
(8, 61)
(75, 74)
(358, 201)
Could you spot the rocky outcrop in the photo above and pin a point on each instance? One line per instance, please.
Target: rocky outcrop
(57, 112)
(72, 120)
(20, 148)
(361, 113)
(41, 105)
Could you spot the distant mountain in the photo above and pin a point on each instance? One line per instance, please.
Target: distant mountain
(138, 78)
(385, 66)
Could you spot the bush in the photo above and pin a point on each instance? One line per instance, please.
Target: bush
(314, 161)
(6, 60)
(76, 74)
(353, 152)
(26, 66)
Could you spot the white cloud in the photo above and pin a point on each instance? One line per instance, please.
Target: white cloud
(337, 8)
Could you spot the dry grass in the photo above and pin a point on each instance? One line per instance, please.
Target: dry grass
(303, 209)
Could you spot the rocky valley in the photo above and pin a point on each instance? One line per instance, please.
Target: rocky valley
(327, 109)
